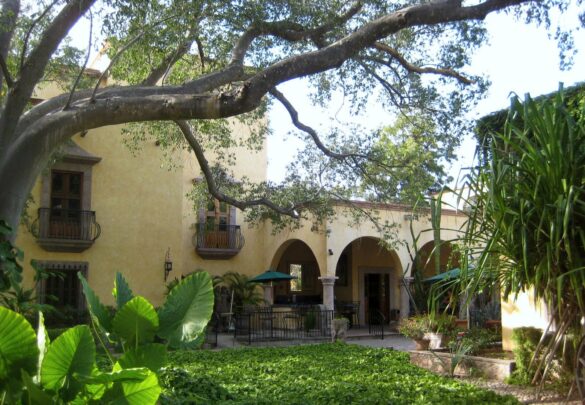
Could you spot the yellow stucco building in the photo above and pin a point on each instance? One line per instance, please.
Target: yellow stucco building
(101, 210)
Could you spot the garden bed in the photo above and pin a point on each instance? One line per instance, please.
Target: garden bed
(311, 374)
(487, 367)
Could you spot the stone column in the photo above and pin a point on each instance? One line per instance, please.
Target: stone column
(328, 292)
(405, 296)
(268, 293)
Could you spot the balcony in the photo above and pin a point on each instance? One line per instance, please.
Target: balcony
(65, 230)
(218, 242)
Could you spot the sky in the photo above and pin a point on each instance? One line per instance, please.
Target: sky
(519, 59)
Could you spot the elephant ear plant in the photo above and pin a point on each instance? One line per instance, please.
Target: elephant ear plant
(34, 370)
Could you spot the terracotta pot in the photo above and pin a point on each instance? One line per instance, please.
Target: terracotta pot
(422, 344)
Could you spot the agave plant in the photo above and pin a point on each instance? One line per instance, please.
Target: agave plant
(527, 223)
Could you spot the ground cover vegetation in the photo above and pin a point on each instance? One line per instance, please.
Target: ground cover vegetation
(205, 61)
(311, 374)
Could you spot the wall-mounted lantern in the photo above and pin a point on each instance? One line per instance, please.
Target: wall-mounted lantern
(168, 263)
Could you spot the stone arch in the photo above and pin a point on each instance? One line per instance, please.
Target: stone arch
(297, 255)
(449, 258)
(369, 277)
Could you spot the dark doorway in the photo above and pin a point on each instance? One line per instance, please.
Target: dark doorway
(377, 294)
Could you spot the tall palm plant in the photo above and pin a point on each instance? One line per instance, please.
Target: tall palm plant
(527, 224)
(244, 292)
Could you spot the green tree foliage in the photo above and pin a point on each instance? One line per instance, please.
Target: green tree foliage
(207, 61)
(411, 157)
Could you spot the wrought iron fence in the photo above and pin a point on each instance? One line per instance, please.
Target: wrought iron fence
(376, 321)
(269, 324)
(58, 223)
(212, 330)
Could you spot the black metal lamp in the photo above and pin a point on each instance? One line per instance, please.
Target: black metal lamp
(168, 263)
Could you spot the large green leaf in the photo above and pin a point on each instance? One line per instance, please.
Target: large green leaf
(122, 291)
(143, 392)
(33, 393)
(18, 348)
(136, 322)
(71, 353)
(152, 356)
(129, 374)
(98, 311)
(187, 310)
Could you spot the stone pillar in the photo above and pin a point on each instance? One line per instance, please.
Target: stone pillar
(268, 293)
(405, 296)
(328, 292)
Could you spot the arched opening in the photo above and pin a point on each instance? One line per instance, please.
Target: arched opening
(448, 259)
(297, 258)
(368, 282)
(428, 265)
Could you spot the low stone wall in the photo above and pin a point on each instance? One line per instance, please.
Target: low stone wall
(440, 362)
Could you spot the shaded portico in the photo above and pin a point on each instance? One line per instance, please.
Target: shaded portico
(368, 277)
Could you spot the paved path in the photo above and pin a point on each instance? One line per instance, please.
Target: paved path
(395, 341)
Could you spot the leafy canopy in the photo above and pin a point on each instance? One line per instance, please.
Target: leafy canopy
(182, 68)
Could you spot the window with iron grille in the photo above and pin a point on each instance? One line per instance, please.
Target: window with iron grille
(62, 289)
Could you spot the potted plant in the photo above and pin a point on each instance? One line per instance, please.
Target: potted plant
(416, 328)
(441, 328)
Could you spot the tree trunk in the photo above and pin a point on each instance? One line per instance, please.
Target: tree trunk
(19, 170)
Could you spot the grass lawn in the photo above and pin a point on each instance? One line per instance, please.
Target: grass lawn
(311, 374)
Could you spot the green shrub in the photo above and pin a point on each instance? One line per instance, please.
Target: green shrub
(525, 341)
(414, 327)
(477, 339)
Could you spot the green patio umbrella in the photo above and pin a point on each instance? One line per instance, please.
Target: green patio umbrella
(448, 275)
(271, 275)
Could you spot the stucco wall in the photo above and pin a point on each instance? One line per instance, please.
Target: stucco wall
(138, 211)
(143, 210)
(522, 311)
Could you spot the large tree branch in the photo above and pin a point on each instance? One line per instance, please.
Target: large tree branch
(159, 71)
(417, 69)
(294, 116)
(338, 52)
(82, 70)
(202, 84)
(5, 73)
(212, 185)
(35, 65)
(29, 31)
(176, 103)
(289, 31)
(8, 16)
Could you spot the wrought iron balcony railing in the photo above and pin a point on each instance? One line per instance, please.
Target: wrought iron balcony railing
(65, 230)
(218, 242)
